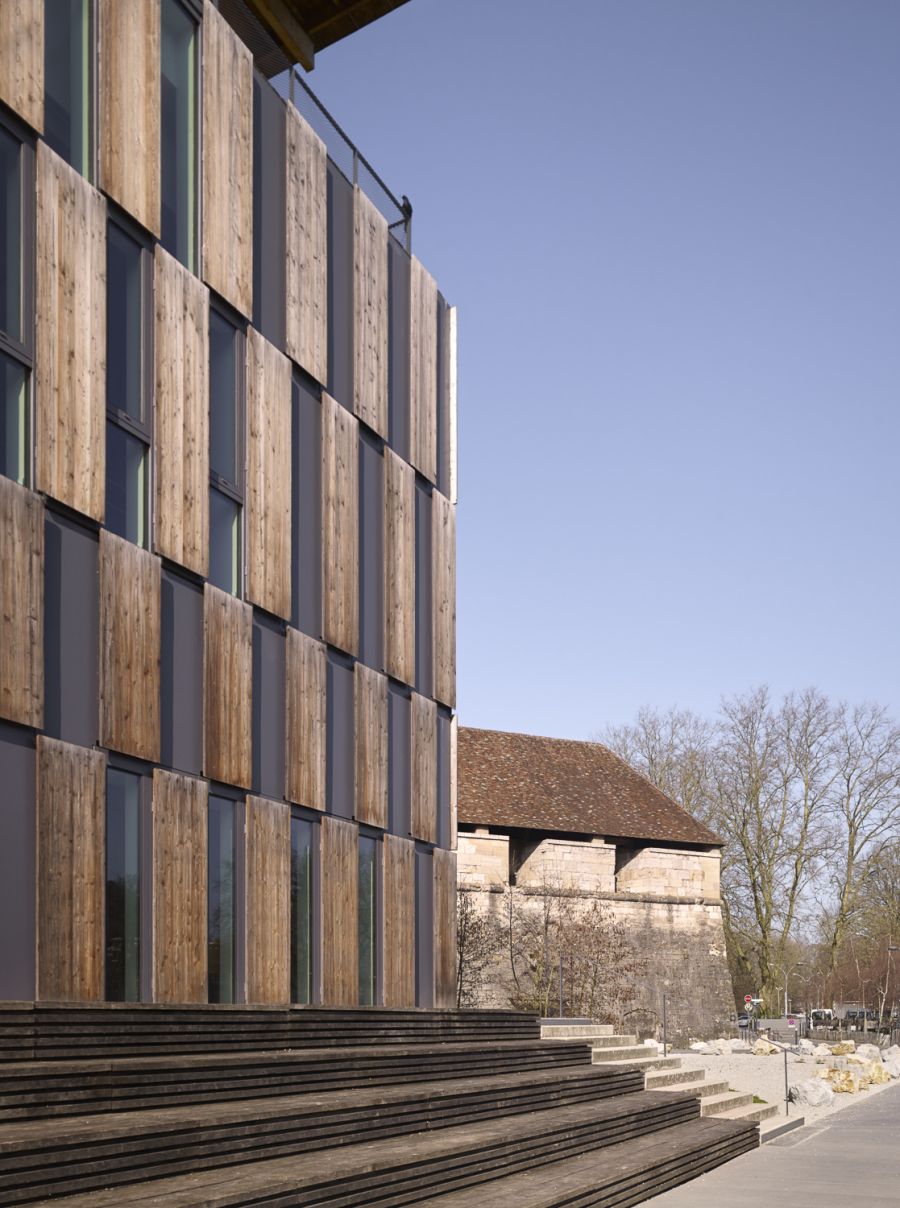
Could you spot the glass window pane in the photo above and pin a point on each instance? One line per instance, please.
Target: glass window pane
(126, 485)
(124, 323)
(221, 900)
(123, 887)
(10, 236)
(224, 542)
(178, 132)
(301, 911)
(13, 419)
(366, 921)
(67, 80)
(223, 398)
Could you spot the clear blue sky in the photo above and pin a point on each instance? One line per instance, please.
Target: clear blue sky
(672, 229)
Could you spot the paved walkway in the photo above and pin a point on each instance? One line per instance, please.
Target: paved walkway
(850, 1159)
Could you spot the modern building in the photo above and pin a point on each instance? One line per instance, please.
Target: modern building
(227, 524)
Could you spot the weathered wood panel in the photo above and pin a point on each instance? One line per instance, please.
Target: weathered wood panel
(307, 246)
(423, 370)
(130, 587)
(70, 327)
(399, 922)
(21, 605)
(340, 526)
(129, 92)
(268, 898)
(227, 162)
(268, 476)
(454, 784)
(339, 848)
(182, 414)
(399, 568)
(423, 768)
(371, 691)
(305, 720)
(227, 687)
(22, 59)
(450, 372)
(443, 589)
(71, 844)
(370, 313)
(444, 864)
(180, 853)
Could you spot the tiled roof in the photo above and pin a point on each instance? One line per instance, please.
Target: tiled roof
(555, 784)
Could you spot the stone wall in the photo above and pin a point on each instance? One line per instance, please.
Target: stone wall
(668, 872)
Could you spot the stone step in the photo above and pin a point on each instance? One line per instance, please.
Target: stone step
(625, 1052)
(724, 1101)
(661, 1079)
(702, 1089)
(639, 1063)
(753, 1112)
(612, 1042)
(549, 1031)
(771, 1129)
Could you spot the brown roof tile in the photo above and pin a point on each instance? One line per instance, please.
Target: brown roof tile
(555, 784)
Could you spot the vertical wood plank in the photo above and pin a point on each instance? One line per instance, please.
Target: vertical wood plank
(129, 93)
(340, 526)
(399, 568)
(268, 476)
(305, 720)
(21, 605)
(423, 370)
(423, 768)
(444, 865)
(71, 845)
(228, 687)
(182, 414)
(130, 587)
(22, 59)
(399, 922)
(371, 700)
(454, 784)
(443, 588)
(180, 842)
(339, 845)
(307, 246)
(227, 162)
(70, 329)
(370, 313)
(451, 379)
(268, 901)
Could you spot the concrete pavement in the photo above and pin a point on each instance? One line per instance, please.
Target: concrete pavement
(850, 1159)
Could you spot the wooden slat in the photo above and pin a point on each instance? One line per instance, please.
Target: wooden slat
(71, 798)
(129, 92)
(423, 370)
(306, 269)
(370, 313)
(228, 687)
(182, 414)
(371, 692)
(399, 568)
(180, 842)
(268, 476)
(399, 922)
(268, 901)
(339, 847)
(444, 865)
(340, 526)
(22, 59)
(21, 605)
(130, 586)
(227, 162)
(454, 783)
(70, 354)
(306, 720)
(423, 768)
(443, 588)
(451, 379)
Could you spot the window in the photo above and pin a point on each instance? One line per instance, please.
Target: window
(128, 308)
(16, 175)
(221, 900)
(226, 452)
(68, 83)
(367, 915)
(123, 887)
(178, 132)
(301, 910)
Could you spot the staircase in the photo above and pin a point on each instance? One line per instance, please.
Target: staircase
(183, 1106)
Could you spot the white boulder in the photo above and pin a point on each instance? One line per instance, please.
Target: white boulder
(892, 1067)
(812, 1093)
(871, 1052)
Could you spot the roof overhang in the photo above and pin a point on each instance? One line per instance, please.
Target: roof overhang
(300, 28)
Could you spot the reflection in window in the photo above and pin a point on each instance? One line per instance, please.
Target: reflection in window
(178, 133)
(221, 902)
(123, 887)
(67, 80)
(225, 453)
(367, 890)
(11, 235)
(301, 910)
(13, 419)
(224, 542)
(126, 485)
(124, 323)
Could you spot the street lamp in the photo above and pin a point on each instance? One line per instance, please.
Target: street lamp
(787, 977)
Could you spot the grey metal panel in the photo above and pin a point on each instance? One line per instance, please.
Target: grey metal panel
(443, 774)
(424, 928)
(399, 787)
(371, 552)
(71, 631)
(181, 675)
(341, 743)
(424, 627)
(17, 863)
(269, 256)
(398, 348)
(340, 287)
(306, 507)
(268, 706)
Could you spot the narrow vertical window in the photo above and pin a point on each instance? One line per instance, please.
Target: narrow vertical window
(15, 339)
(178, 133)
(221, 901)
(226, 475)
(301, 910)
(123, 887)
(367, 915)
(68, 38)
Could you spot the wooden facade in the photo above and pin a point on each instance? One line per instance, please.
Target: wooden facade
(22, 59)
(339, 859)
(306, 302)
(268, 476)
(340, 526)
(21, 605)
(443, 587)
(371, 697)
(399, 568)
(423, 768)
(444, 913)
(306, 720)
(399, 921)
(268, 923)
(423, 370)
(370, 313)
(227, 687)
(179, 887)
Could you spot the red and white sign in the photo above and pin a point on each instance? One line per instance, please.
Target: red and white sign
(748, 999)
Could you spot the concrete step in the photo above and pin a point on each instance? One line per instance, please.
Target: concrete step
(724, 1101)
(568, 1031)
(753, 1112)
(625, 1052)
(777, 1126)
(640, 1063)
(613, 1042)
(703, 1089)
(661, 1079)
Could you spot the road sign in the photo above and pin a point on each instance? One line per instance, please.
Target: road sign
(748, 998)
(792, 1023)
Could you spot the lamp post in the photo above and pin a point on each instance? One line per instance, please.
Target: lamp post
(789, 969)
(892, 948)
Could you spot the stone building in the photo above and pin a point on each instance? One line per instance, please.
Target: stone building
(534, 811)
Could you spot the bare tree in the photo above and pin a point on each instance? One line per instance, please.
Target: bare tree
(478, 942)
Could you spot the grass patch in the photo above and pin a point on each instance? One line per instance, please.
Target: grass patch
(756, 1099)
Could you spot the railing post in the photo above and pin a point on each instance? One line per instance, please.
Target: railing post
(560, 986)
(665, 1028)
